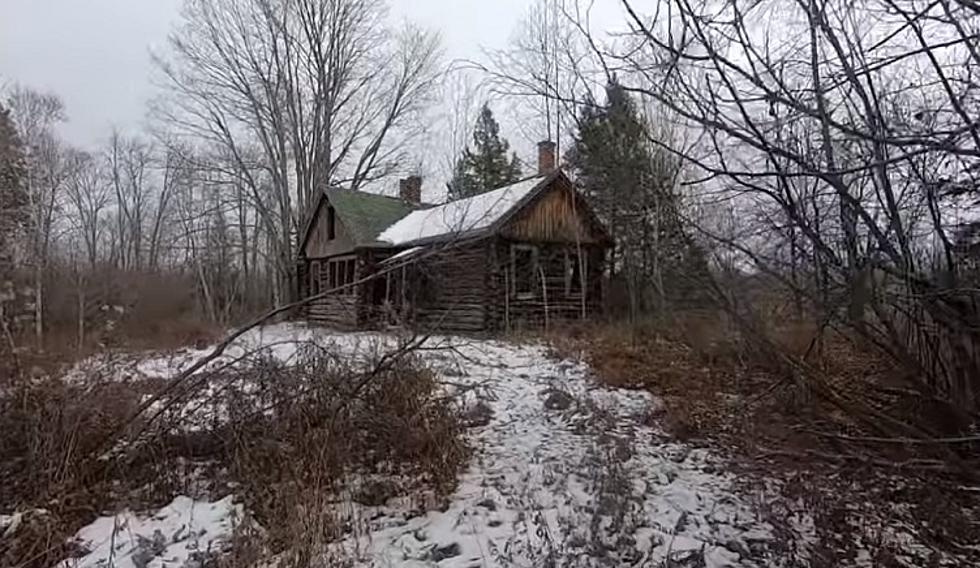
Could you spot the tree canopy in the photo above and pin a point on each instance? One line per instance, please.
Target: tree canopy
(487, 165)
(632, 184)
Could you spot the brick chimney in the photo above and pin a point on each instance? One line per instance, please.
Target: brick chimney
(410, 189)
(546, 157)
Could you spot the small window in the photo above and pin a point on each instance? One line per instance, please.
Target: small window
(342, 273)
(331, 223)
(524, 270)
(346, 275)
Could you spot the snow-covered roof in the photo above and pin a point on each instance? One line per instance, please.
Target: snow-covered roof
(409, 252)
(461, 216)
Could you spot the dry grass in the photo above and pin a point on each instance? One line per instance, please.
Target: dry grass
(293, 442)
(719, 384)
(298, 464)
(723, 390)
(48, 431)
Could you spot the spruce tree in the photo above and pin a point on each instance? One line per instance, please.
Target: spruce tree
(631, 184)
(13, 194)
(487, 166)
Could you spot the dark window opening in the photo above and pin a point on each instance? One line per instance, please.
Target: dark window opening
(575, 272)
(331, 223)
(314, 278)
(524, 270)
(341, 273)
(351, 274)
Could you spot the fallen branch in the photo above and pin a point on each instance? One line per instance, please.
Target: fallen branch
(916, 463)
(880, 440)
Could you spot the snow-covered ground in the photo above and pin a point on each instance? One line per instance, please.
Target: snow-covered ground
(185, 533)
(565, 471)
(564, 468)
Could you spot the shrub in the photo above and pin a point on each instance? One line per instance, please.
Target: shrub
(294, 441)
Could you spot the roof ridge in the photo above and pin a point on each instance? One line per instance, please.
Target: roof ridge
(513, 183)
(362, 192)
(478, 212)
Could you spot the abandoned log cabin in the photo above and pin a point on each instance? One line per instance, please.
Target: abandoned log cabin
(525, 255)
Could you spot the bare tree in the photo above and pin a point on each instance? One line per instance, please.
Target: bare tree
(836, 125)
(48, 168)
(89, 195)
(296, 96)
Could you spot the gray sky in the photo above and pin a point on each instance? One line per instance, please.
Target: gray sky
(95, 53)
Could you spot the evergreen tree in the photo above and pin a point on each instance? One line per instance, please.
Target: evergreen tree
(487, 165)
(13, 217)
(13, 194)
(631, 184)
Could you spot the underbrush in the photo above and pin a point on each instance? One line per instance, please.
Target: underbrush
(783, 383)
(295, 443)
(821, 412)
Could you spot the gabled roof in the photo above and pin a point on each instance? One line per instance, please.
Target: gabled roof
(366, 215)
(379, 220)
(464, 217)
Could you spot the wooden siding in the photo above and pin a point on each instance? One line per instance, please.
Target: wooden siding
(452, 293)
(557, 291)
(556, 215)
(319, 244)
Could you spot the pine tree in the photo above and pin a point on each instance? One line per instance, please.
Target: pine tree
(487, 165)
(13, 195)
(631, 184)
(13, 217)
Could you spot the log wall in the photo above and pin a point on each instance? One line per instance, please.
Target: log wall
(451, 289)
(554, 298)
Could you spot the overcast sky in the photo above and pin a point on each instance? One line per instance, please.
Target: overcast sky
(95, 53)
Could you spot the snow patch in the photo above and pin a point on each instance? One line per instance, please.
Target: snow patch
(183, 534)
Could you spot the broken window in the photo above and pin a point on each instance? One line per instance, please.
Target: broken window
(331, 223)
(524, 270)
